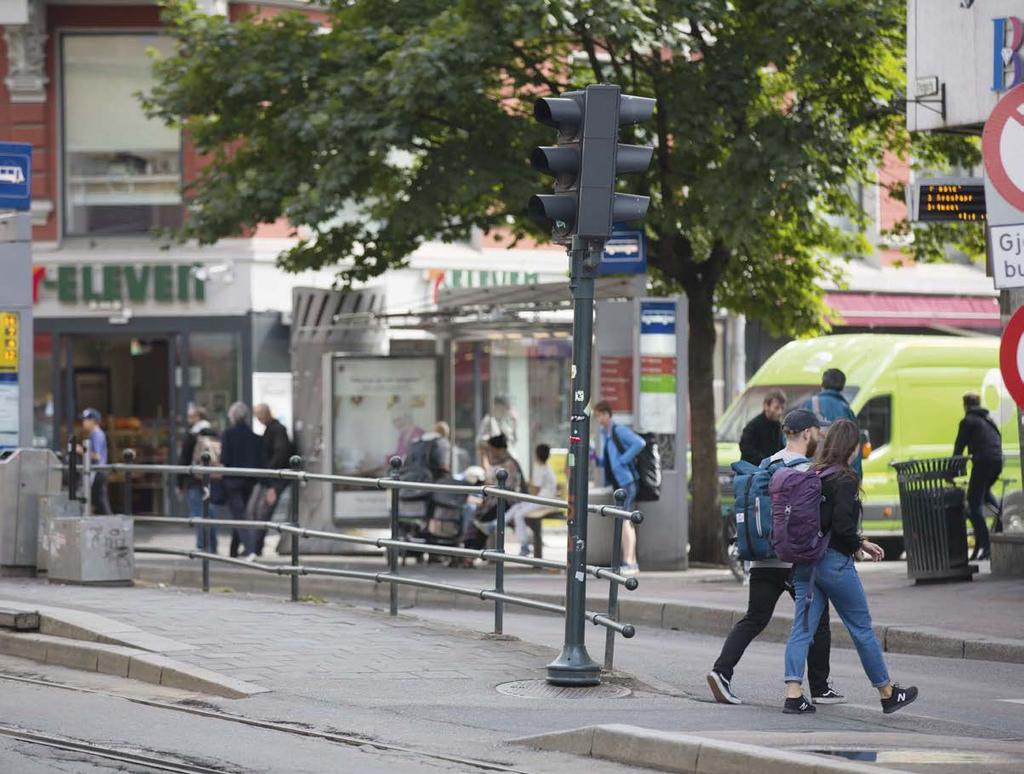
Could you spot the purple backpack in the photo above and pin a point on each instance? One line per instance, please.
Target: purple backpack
(796, 515)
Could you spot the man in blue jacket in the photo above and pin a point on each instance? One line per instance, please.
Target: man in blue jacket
(619, 448)
(830, 404)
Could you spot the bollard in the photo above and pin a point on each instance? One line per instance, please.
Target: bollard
(296, 465)
(205, 459)
(613, 588)
(501, 475)
(396, 465)
(129, 458)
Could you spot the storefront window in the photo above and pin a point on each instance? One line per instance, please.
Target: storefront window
(215, 373)
(122, 176)
(517, 386)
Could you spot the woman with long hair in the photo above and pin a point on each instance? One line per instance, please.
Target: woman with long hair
(835, 577)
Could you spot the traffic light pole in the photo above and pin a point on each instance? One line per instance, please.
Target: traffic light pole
(574, 665)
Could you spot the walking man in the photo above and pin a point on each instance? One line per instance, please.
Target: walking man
(97, 456)
(240, 448)
(980, 435)
(762, 436)
(201, 438)
(830, 404)
(277, 451)
(769, 579)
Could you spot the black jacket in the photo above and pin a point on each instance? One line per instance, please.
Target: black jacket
(761, 438)
(241, 448)
(841, 511)
(277, 449)
(980, 435)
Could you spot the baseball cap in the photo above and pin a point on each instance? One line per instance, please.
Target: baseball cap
(798, 420)
(91, 413)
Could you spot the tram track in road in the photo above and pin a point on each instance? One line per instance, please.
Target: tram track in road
(202, 709)
(92, 750)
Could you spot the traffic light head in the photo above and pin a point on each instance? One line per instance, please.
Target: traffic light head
(587, 159)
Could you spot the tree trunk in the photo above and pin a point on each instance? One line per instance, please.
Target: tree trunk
(705, 515)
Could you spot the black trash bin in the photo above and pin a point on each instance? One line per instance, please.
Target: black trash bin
(932, 508)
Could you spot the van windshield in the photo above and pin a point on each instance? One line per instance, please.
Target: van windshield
(751, 403)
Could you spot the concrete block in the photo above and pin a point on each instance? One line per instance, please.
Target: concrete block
(146, 668)
(23, 646)
(19, 620)
(576, 741)
(737, 758)
(923, 642)
(199, 680)
(994, 649)
(112, 662)
(72, 654)
(704, 619)
(58, 627)
(647, 747)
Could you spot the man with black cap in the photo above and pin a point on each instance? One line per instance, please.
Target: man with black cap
(769, 578)
(97, 456)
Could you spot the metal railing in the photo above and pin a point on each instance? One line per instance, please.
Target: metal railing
(393, 545)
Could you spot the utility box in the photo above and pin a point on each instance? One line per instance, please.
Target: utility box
(26, 475)
(91, 549)
(53, 506)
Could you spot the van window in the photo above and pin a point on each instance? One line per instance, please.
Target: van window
(751, 403)
(876, 418)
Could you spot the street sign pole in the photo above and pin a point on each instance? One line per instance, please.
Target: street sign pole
(574, 665)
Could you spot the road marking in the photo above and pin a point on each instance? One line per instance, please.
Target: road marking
(1012, 701)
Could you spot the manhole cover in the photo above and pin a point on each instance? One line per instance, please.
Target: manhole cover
(540, 689)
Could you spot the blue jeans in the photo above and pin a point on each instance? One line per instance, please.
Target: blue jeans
(194, 499)
(630, 489)
(837, 580)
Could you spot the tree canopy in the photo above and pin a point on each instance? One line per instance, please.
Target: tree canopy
(397, 122)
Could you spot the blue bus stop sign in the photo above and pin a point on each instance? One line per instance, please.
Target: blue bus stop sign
(15, 176)
(624, 253)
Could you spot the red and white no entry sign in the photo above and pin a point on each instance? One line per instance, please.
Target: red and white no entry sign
(1011, 357)
(1002, 147)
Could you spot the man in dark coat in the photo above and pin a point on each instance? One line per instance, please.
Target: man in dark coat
(762, 437)
(980, 435)
(277, 451)
(241, 448)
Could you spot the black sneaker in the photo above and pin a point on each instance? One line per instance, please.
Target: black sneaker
(829, 696)
(798, 707)
(721, 689)
(899, 699)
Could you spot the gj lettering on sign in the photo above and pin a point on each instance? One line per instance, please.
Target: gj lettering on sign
(1007, 245)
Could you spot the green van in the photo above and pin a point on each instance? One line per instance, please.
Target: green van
(906, 392)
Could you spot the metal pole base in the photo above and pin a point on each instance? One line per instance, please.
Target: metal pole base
(574, 667)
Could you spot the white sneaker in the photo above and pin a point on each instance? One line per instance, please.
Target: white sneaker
(629, 570)
(252, 558)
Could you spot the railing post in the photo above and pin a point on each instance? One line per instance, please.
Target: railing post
(396, 466)
(72, 467)
(296, 464)
(86, 475)
(613, 588)
(501, 475)
(205, 459)
(129, 458)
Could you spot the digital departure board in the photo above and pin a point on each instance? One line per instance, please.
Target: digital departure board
(943, 202)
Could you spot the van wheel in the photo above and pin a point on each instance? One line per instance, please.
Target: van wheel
(893, 547)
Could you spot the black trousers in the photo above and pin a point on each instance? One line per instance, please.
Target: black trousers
(984, 473)
(98, 495)
(767, 584)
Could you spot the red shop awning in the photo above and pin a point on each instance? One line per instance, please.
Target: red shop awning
(891, 310)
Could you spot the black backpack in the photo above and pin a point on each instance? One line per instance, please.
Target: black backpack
(646, 467)
(422, 465)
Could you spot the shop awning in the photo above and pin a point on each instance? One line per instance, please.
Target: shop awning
(893, 310)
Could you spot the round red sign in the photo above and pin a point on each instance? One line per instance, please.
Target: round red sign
(1002, 147)
(1011, 357)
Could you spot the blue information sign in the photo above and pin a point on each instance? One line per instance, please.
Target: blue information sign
(624, 253)
(15, 176)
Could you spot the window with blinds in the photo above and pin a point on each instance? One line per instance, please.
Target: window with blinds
(122, 170)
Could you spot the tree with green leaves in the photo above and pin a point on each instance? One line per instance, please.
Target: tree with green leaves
(398, 122)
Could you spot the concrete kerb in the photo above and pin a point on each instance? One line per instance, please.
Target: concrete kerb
(686, 753)
(92, 656)
(638, 610)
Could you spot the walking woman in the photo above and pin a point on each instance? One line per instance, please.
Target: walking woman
(835, 577)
